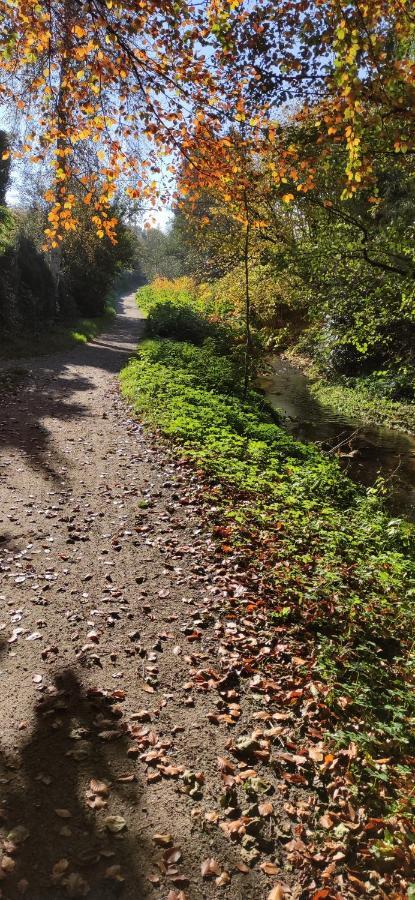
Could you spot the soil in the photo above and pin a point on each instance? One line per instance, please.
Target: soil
(110, 599)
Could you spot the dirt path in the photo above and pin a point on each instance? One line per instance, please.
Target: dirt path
(108, 594)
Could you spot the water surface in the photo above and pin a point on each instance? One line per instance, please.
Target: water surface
(364, 451)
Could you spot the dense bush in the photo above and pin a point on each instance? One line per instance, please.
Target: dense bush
(27, 293)
(31, 298)
(178, 322)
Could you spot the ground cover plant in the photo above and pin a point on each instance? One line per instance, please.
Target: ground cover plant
(330, 567)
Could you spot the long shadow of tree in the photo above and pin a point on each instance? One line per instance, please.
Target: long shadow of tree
(77, 746)
(41, 389)
(22, 425)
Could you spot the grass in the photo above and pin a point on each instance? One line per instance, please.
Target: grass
(359, 401)
(372, 399)
(55, 338)
(337, 569)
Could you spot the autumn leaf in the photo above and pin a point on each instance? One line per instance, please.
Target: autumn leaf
(210, 868)
(277, 893)
(115, 824)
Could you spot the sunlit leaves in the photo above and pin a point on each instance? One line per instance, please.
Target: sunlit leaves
(112, 90)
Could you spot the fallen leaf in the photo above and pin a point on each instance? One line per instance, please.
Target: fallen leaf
(210, 867)
(242, 868)
(162, 840)
(114, 824)
(269, 868)
(277, 893)
(114, 873)
(326, 821)
(18, 834)
(59, 870)
(76, 886)
(266, 808)
(172, 856)
(224, 878)
(7, 864)
(99, 787)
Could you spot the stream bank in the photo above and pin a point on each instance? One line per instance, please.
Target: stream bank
(367, 452)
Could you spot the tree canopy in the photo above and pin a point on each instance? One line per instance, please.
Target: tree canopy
(133, 93)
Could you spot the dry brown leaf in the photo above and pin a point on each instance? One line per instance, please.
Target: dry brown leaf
(114, 874)
(99, 787)
(76, 886)
(114, 824)
(269, 868)
(225, 765)
(172, 856)
(162, 840)
(212, 816)
(59, 870)
(266, 808)
(7, 864)
(315, 754)
(210, 867)
(223, 879)
(277, 893)
(326, 821)
(242, 868)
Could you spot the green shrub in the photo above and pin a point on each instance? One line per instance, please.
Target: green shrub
(180, 322)
(336, 564)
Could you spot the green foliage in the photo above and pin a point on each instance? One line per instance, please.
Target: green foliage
(160, 255)
(370, 399)
(4, 166)
(168, 320)
(56, 337)
(332, 276)
(8, 227)
(90, 264)
(26, 286)
(181, 291)
(335, 566)
(35, 316)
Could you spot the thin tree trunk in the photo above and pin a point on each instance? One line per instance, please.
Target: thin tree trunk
(61, 143)
(248, 341)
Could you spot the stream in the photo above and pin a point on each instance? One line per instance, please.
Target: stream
(364, 451)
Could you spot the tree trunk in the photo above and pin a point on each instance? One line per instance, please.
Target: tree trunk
(248, 341)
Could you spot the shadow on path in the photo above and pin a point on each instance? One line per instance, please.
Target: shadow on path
(52, 388)
(42, 793)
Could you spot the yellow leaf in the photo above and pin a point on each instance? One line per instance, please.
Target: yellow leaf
(287, 198)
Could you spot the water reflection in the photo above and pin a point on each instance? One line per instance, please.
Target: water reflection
(364, 451)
